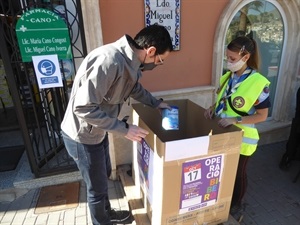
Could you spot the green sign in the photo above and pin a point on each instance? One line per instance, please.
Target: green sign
(43, 32)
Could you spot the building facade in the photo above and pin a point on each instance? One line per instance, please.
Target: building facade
(193, 71)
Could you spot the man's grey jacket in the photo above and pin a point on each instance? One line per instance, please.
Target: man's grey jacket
(105, 79)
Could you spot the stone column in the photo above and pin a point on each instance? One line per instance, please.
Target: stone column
(93, 35)
(92, 23)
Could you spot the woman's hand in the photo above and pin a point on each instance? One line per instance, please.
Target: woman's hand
(225, 122)
(209, 113)
(260, 116)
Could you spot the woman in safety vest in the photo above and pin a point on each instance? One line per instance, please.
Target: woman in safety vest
(242, 100)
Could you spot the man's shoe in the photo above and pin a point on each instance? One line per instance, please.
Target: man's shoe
(119, 216)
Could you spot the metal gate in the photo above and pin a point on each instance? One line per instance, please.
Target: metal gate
(40, 111)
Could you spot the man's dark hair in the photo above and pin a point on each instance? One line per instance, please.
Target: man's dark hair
(154, 35)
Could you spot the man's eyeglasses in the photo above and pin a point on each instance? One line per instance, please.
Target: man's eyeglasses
(161, 62)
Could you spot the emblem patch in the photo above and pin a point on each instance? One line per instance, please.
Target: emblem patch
(238, 102)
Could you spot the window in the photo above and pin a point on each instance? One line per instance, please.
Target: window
(263, 22)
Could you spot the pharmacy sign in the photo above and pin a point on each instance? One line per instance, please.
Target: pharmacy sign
(43, 32)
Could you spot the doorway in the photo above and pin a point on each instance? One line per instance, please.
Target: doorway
(37, 113)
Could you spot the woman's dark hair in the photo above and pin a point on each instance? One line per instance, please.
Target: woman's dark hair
(244, 45)
(155, 35)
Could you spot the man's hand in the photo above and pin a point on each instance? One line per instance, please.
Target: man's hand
(136, 133)
(162, 106)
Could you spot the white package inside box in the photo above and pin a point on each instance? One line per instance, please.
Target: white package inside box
(186, 175)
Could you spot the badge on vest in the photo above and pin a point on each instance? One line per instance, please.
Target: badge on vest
(238, 102)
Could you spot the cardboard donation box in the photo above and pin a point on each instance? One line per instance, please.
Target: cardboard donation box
(186, 176)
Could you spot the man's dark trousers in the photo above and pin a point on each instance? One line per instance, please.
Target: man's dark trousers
(93, 162)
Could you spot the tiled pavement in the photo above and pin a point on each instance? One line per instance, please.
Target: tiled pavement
(21, 211)
(272, 197)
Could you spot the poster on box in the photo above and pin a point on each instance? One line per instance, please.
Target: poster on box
(143, 162)
(145, 159)
(200, 183)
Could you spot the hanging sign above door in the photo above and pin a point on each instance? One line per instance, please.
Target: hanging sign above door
(167, 14)
(42, 32)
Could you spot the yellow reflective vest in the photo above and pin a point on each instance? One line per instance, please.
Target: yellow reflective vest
(243, 100)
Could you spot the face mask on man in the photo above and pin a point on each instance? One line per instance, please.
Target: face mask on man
(147, 66)
(233, 67)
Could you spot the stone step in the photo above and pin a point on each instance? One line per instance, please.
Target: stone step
(273, 132)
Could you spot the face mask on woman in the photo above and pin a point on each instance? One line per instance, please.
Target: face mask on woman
(233, 67)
